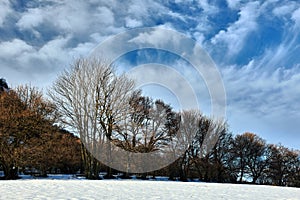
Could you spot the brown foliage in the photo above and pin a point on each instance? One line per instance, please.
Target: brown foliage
(28, 137)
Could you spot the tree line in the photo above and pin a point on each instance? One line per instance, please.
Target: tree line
(103, 108)
(29, 138)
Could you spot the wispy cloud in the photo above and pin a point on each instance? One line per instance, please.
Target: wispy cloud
(296, 17)
(233, 4)
(264, 101)
(285, 9)
(207, 7)
(39, 40)
(235, 35)
(5, 9)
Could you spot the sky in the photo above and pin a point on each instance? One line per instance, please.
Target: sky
(254, 44)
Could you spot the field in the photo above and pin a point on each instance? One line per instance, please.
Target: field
(62, 188)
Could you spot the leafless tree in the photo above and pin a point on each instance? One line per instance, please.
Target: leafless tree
(283, 165)
(189, 139)
(197, 137)
(92, 100)
(206, 158)
(149, 126)
(249, 156)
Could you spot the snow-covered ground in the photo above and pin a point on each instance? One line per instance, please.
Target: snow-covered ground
(134, 189)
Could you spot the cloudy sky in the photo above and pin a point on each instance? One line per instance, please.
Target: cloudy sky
(254, 44)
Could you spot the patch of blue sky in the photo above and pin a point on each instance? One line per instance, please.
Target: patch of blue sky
(23, 5)
(256, 43)
(40, 35)
(149, 55)
(221, 21)
(185, 70)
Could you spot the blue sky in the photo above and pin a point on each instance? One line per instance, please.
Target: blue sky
(255, 45)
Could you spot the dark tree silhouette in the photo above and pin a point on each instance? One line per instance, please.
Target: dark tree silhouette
(3, 85)
(283, 165)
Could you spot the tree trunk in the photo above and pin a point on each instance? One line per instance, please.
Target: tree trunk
(11, 172)
(109, 174)
(242, 174)
(254, 179)
(91, 165)
(183, 172)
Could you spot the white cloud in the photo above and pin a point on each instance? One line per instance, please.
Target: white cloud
(276, 56)
(283, 10)
(208, 8)
(146, 10)
(132, 23)
(71, 17)
(68, 17)
(5, 9)
(158, 38)
(139, 9)
(175, 82)
(36, 66)
(78, 26)
(204, 25)
(14, 48)
(234, 36)
(55, 49)
(199, 37)
(258, 91)
(289, 11)
(60, 31)
(82, 49)
(254, 90)
(177, 15)
(296, 17)
(32, 18)
(105, 15)
(233, 4)
(263, 101)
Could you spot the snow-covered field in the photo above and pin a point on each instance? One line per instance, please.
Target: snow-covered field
(134, 189)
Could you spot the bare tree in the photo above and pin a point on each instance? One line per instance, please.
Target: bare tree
(256, 159)
(148, 127)
(249, 156)
(206, 157)
(197, 137)
(92, 99)
(283, 165)
(189, 139)
(219, 157)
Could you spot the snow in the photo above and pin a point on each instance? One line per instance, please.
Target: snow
(71, 188)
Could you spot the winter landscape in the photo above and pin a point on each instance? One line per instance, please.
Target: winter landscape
(133, 189)
(150, 99)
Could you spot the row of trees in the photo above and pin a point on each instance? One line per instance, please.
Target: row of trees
(28, 135)
(241, 158)
(105, 110)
